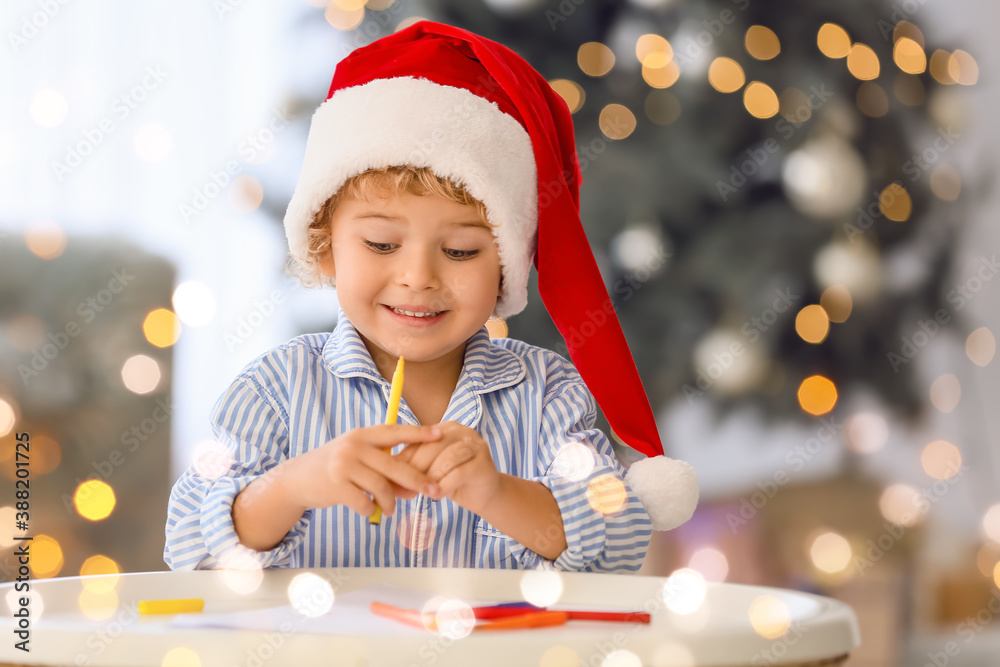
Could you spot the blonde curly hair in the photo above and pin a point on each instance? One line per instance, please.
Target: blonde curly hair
(384, 182)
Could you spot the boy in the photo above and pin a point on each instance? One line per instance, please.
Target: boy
(440, 166)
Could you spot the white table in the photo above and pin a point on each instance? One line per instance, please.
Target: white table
(717, 633)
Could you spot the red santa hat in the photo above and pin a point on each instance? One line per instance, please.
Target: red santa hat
(475, 112)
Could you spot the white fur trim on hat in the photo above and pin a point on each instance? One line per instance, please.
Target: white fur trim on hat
(457, 134)
(667, 489)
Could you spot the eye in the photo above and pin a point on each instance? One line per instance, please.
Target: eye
(461, 254)
(379, 247)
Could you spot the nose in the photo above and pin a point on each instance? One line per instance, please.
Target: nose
(418, 269)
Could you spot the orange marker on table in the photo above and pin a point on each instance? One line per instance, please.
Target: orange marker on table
(179, 606)
(390, 418)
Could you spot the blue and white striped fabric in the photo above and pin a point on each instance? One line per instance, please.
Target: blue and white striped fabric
(528, 403)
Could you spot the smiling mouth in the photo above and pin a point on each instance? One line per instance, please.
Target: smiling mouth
(415, 314)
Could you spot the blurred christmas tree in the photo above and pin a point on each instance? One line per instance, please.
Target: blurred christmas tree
(766, 185)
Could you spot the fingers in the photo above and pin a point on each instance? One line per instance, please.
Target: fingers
(390, 435)
(451, 458)
(368, 480)
(396, 470)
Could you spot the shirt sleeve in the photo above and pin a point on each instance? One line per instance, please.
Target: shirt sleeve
(250, 427)
(607, 529)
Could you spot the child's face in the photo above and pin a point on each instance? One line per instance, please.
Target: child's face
(408, 252)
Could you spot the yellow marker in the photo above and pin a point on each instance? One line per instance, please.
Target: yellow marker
(394, 395)
(182, 606)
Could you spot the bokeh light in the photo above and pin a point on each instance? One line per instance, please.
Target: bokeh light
(770, 617)
(162, 327)
(962, 68)
(900, 503)
(760, 100)
(97, 605)
(100, 565)
(46, 557)
(941, 459)
(830, 552)
(575, 461)
(182, 656)
(662, 107)
(541, 587)
(141, 374)
(862, 62)
(595, 59)
(833, 41)
(762, 43)
(872, 100)
(980, 347)
(684, 591)
(310, 594)
(454, 619)
(817, 395)
(194, 303)
(867, 432)
(7, 417)
(607, 493)
(496, 327)
(726, 75)
(908, 89)
(571, 92)
(946, 182)
(241, 573)
(616, 121)
(45, 239)
(621, 657)
(836, 301)
(653, 51)
(939, 66)
(946, 391)
(812, 324)
(346, 14)
(245, 194)
(909, 56)
(894, 202)
(94, 500)
(991, 523)
(559, 656)
(661, 77)
(711, 563)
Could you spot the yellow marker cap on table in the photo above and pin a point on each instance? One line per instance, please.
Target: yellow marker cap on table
(390, 418)
(180, 606)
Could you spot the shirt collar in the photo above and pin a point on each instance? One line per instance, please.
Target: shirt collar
(487, 367)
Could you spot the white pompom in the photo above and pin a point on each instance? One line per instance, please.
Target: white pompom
(667, 489)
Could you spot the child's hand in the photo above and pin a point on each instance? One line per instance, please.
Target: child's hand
(460, 464)
(341, 471)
